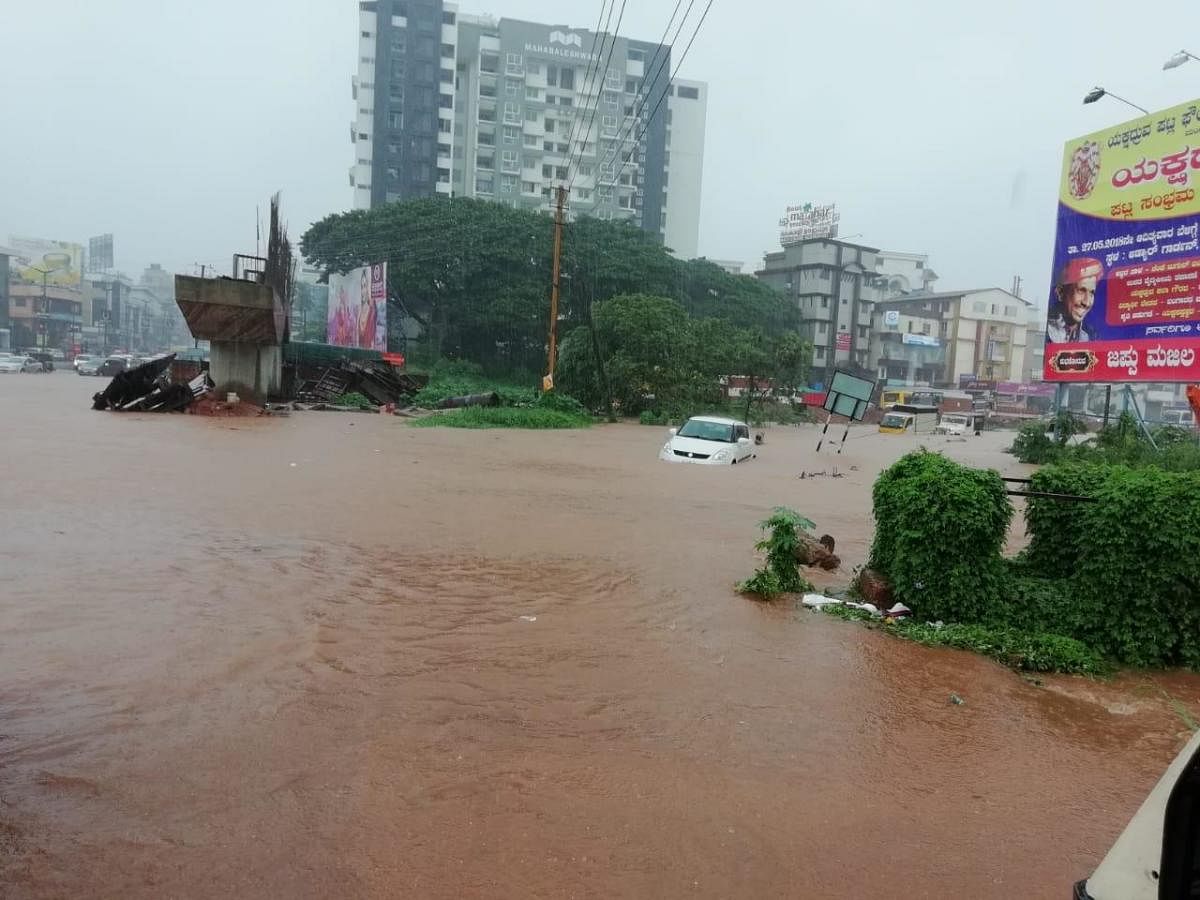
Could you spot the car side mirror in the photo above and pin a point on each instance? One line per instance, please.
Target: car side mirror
(672, 431)
(743, 440)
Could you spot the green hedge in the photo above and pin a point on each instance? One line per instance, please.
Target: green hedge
(1121, 574)
(939, 531)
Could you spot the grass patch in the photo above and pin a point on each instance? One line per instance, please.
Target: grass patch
(354, 399)
(503, 417)
(1028, 651)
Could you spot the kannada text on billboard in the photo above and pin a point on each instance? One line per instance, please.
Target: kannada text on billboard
(357, 315)
(54, 263)
(1125, 293)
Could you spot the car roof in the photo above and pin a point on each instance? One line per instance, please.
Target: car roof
(720, 420)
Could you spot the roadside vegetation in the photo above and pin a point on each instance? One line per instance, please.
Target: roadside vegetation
(1174, 449)
(1110, 580)
(780, 573)
(639, 330)
(503, 417)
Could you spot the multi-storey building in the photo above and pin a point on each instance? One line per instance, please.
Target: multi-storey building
(834, 285)
(508, 110)
(937, 338)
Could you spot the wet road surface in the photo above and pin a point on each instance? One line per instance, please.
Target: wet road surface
(331, 655)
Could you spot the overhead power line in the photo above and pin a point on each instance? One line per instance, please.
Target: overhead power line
(658, 51)
(596, 105)
(592, 68)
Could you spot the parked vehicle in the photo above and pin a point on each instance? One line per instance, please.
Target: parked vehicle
(46, 360)
(89, 366)
(1158, 853)
(12, 365)
(709, 440)
(889, 398)
(84, 357)
(909, 418)
(115, 364)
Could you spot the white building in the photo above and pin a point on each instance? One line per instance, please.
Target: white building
(508, 110)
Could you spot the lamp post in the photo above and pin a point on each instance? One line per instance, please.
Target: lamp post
(1178, 59)
(1097, 92)
(45, 300)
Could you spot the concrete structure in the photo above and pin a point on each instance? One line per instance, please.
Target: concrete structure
(935, 338)
(505, 110)
(244, 323)
(834, 285)
(904, 273)
(48, 317)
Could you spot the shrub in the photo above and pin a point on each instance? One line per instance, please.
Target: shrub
(1053, 525)
(354, 399)
(649, 417)
(781, 574)
(1033, 444)
(939, 530)
(563, 403)
(503, 417)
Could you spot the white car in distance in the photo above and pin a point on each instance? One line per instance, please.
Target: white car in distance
(709, 440)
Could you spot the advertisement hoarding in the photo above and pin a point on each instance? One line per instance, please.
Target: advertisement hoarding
(100, 253)
(59, 262)
(1125, 290)
(357, 315)
(802, 223)
(843, 340)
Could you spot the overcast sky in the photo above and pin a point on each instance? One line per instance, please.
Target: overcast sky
(936, 126)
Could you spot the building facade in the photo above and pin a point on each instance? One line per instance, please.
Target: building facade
(508, 110)
(937, 338)
(834, 285)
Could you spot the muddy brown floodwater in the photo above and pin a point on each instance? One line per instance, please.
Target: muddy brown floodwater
(334, 656)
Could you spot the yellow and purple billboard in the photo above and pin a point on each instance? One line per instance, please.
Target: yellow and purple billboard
(1125, 292)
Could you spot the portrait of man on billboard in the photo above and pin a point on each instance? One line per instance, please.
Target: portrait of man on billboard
(1074, 296)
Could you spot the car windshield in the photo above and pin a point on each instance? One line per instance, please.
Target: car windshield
(894, 420)
(707, 431)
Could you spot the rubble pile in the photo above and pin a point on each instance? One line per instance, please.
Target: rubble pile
(147, 388)
(377, 380)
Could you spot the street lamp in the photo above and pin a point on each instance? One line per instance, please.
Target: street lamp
(45, 298)
(1097, 92)
(1178, 59)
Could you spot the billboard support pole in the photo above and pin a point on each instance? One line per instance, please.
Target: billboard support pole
(1107, 402)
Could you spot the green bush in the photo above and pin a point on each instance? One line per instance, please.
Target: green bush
(649, 417)
(939, 530)
(1053, 525)
(1033, 444)
(563, 403)
(781, 574)
(354, 399)
(503, 417)
(1017, 648)
(458, 378)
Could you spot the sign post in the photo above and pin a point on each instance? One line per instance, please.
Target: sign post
(849, 396)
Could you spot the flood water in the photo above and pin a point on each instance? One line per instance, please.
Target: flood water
(330, 655)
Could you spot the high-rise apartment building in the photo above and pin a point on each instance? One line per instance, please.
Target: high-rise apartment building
(508, 110)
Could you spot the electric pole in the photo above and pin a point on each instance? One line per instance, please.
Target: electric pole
(560, 199)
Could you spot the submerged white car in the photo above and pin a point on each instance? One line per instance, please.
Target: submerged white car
(709, 440)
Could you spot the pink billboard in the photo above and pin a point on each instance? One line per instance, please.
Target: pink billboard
(358, 308)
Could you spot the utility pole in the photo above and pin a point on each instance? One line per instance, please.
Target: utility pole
(560, 199)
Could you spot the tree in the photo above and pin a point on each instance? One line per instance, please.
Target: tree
(475, 275)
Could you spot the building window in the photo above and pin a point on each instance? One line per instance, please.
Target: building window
(979, 306)
(547, 171)
(548, 146)
(822, 327)
(1010, 311)
(583, 194)
(512, 113)
(548, 126)
(636, 55)
(512, 88)
(611, 99)
(511, 134)
(818, 352)
(630, 86)
(560, 173)
(563, 148)
(531, 115)
(586, 171)
(508, 184)
(532, 93)
(529, 140)
(447, 17)
(366, 34)
(444, 126)
(445, 101)
(534, 68)
(510, 161)
(566, 79)
(486, 139)
(362, 137)
(369, 60)
(485, 162)
(528, 187)
(824, 303)
(484, 185)
(688, 93)
(447, 76)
